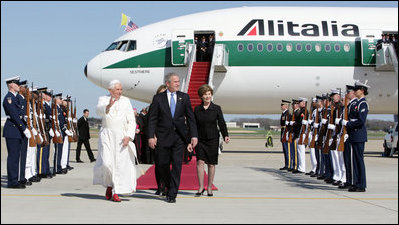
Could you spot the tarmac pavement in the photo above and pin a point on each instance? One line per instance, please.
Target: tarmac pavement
(252, 189)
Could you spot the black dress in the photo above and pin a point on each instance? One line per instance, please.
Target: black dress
(208, 132)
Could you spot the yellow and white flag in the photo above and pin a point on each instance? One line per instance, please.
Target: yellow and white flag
(124, 19)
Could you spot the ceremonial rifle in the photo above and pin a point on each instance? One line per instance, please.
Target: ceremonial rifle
(54, 123)
(75, 136)
(338, 108)
(303, 128)
(306, 141)
(326, 146)
(32, 141)
(343, 129)
(69, 120)
(75, 123)
(38, 138)
(42, 127)
(292, 126)
(323, 126)
(315, 129)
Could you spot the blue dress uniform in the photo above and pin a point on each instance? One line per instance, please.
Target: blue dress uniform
(283, 120)
(13, 132)
(43, 152)
(58, 147)
(24, 147)
(357, 137)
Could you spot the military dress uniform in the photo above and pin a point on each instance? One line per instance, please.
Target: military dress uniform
(313, 155)
(347, 144)
(24, 147)
(14, 132)
(300, 119)
(58, 146)
(357, 137)
(43, 152)
(284, 144)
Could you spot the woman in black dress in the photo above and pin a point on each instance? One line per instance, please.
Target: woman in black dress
(208, 116)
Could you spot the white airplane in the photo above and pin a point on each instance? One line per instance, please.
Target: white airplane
(261, 55)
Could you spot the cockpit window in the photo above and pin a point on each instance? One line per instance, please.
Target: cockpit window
(122, 45)
(132, 45)
(112, 46)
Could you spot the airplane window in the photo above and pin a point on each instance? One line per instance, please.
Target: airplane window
(327, 47)
(279, 47)
(112, 46)
(122, 45)
(240, 47)
(318, 47)
(337, 47)
(250, 47)
(298, 47)
(132, 45)
(269, 47)
(260, 47)
(289, 47)
(347, 47)
(308, 47)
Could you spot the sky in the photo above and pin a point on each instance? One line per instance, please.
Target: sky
(49, 43)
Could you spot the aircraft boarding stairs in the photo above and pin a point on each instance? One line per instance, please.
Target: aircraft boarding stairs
(200, 73)
(386, 58)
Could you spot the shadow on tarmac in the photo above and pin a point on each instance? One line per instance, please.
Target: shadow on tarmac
(298, 180)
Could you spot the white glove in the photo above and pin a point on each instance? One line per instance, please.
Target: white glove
(57, 133)
(292, 123)
(316, 137)
(41, 139)
(75, 120)
(70, 119)
(330, 141)
(316, 125)
(25, 117)
(310, 121)
(41, 116)
(286, 123)
(34, 131)
(51, 132)
(304, 122)
(331, 126)
(346, 137)
(27, 133)
(344, 122)
(68, 132)
(337, 120)
(323, 121)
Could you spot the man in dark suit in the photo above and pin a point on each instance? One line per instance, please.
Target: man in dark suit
(84, 136)
(172, 117)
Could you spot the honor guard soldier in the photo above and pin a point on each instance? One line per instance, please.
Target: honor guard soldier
(350, 94)
(358, 136)
(320, 134)
(15, 132)
(313, 155)
(22, 99)
(31, 158)
(336, 167)
(44, 150)
(291, 140)
(300, 119)
(60, 121)
(283, 120)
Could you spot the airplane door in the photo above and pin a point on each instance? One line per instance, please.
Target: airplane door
(179, 40)
(369, 40)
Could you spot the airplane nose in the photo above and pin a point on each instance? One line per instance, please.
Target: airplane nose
(93, 71)
(85, 71)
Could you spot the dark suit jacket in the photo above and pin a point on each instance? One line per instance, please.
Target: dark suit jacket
(161, 123)
(83, 129)
(207, 121)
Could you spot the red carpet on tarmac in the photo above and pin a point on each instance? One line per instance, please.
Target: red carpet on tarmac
(188, 180)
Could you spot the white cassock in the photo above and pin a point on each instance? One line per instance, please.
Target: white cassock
(115, 165)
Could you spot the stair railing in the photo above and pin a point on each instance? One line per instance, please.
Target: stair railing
(220, 58)
(192, 55)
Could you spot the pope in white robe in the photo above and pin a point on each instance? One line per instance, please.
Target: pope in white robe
(115, 165)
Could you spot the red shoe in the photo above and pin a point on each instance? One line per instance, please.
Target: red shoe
(116, 198)
(108, 193)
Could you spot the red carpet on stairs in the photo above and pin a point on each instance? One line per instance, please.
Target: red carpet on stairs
(188, 181)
